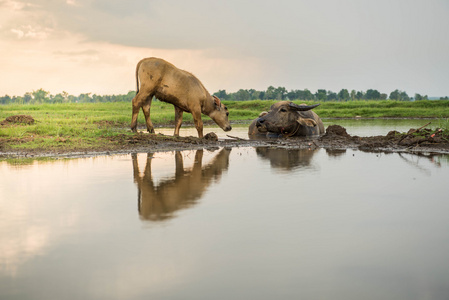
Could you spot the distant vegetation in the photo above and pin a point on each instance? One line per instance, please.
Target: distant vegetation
(41, 96)
(280, 93)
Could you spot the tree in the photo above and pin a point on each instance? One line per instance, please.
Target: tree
(40, 96)
(321, 95)
(343, 95)
(300, 95)
(331, 96)
(131, 94)
(270, 94)
(242, 95)
(85, 98)
(360, 95)
(353, 95)
(399, 96)
(5, 99)
(419, 97)
(58, 98)
(394, 95)
(293, 94)
(66, 96)
(281, 93)
(27, 97)
(404, 97)
(253, 94)
(221, 94)
(18, 100)
(308, 95)
(372, 94)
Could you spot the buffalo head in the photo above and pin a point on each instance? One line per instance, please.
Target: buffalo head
(220, 114)
(290, 119)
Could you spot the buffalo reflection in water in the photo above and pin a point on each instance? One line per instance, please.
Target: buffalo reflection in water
(286, 159)
(160, 201)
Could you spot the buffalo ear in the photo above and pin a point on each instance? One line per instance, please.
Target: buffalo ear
(264, 113)
(306, 122)
(217, 102)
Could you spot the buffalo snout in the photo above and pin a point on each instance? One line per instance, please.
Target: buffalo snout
(259, 122)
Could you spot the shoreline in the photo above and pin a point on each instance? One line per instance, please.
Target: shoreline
(335, 138)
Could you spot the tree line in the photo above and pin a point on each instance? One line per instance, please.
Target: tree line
(41, 96)
(281, 93)
(271, 93)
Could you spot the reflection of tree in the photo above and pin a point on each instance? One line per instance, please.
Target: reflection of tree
(159, 202)
(286, 159)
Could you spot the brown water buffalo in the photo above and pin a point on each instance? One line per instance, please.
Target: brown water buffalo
(288, 119)
(167, 83)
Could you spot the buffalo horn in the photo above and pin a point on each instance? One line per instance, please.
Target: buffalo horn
(303, 107)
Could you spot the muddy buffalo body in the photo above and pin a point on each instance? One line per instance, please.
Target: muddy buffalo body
(159, 78)
(287, 119)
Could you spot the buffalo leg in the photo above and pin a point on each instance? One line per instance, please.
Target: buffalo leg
(136, 108)
(198, 123)
(146, 111)
(138, 101)
(178, 120)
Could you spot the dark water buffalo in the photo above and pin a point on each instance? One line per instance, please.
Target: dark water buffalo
(287, 160)
(253, 130)
(167, 83)
(288, 119)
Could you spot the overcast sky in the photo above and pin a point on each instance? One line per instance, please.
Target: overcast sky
(93, 46)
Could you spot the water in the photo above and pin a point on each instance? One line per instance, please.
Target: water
(241, 223)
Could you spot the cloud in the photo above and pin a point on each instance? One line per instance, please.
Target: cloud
(297, 44)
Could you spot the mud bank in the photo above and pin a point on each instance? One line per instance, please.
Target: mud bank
(335, 138)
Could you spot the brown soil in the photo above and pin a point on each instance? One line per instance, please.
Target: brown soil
(18, 119)
(335, 138)
(416, 140)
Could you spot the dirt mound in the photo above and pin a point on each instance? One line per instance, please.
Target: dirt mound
(337, 130)
(211, 136)
(18, 119)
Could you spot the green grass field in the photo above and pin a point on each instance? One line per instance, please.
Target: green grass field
(351, 109)
(89, 125)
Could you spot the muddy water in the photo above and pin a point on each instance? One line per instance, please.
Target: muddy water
(242, 223)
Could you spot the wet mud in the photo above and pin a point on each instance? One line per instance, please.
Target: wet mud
(335, 138)
(415, 140)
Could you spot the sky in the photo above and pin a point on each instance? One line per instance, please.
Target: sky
(93, 46)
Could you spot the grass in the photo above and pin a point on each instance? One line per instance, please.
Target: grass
(91, 125)
(350, 109)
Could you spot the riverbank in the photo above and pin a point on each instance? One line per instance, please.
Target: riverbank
(336, 139)
(102, 128)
